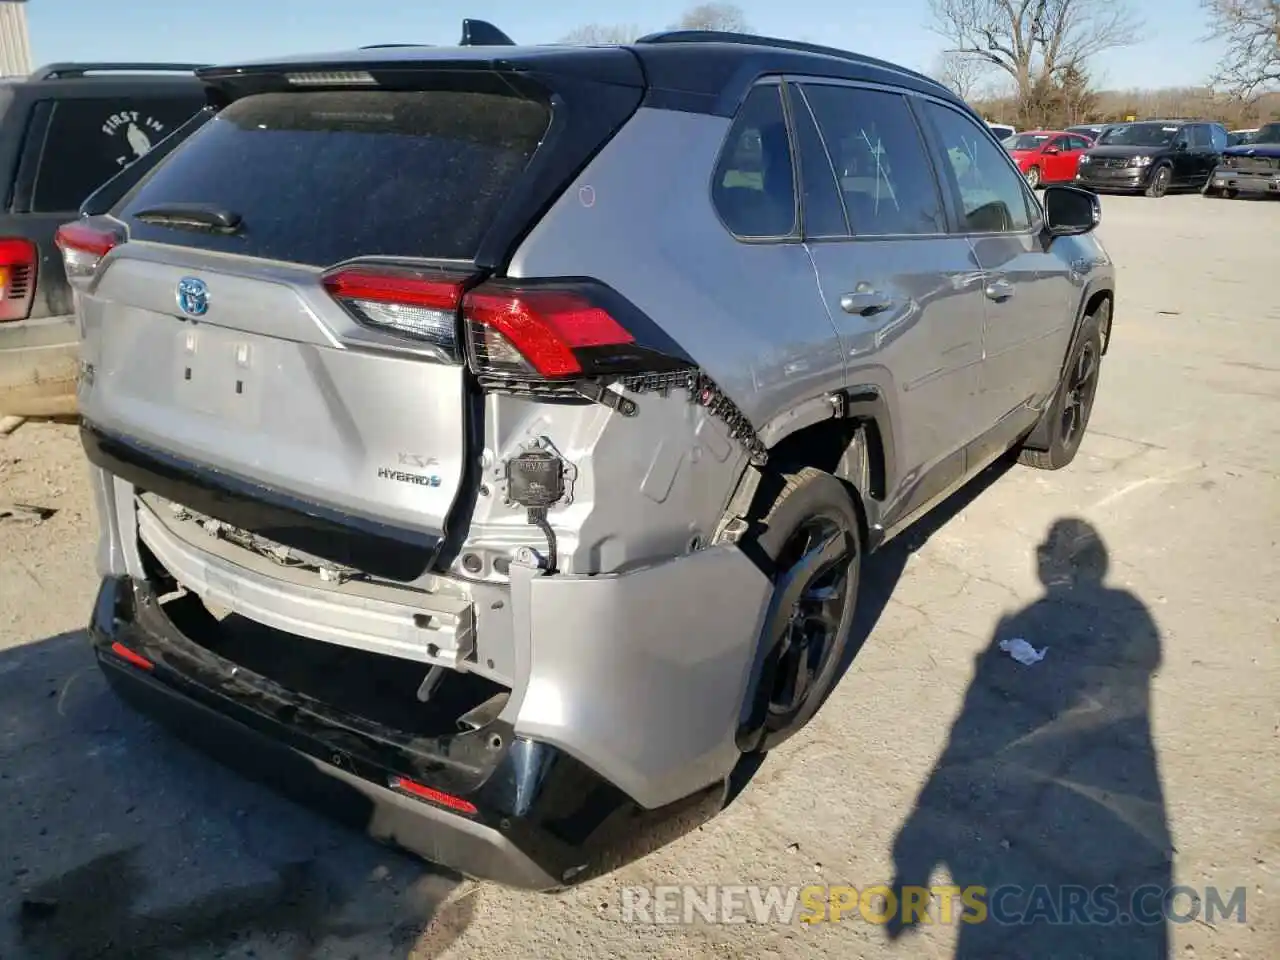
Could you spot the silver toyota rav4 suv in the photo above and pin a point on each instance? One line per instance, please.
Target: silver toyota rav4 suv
(487, 440)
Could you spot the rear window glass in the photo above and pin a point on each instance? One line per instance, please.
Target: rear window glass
(321, 177)
(1026, 141)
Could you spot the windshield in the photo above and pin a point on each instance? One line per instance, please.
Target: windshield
(1268, 134)
(1027, 141)
(1140, 135)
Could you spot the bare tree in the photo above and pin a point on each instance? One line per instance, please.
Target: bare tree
(601, 33)
(1031, 39)
(725, 17)
(961, 73)
(1251, 30)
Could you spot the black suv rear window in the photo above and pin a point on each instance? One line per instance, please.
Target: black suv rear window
(320, 177)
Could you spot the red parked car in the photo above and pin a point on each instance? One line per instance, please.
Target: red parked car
(1047, 156)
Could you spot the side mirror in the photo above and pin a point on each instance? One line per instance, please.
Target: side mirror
(1052, 151)
(1070, 211)
(1180, 146)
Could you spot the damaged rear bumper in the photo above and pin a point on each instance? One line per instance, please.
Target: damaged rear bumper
(488, 803)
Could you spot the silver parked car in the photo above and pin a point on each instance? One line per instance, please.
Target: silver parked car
(488, 439)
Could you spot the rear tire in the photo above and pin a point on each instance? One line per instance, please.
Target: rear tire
(812, 515)
(1033, 178)
(1069, 411)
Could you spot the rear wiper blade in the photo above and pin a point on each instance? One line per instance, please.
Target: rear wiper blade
(192, 216)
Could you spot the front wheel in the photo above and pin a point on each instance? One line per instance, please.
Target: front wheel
(812, 535)
(1161, 178)
(1033, 177)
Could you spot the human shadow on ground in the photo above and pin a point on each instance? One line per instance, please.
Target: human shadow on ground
(1048, 792)
(119, 841)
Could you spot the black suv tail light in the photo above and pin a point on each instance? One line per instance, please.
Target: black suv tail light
(83, 245)
(18, 259)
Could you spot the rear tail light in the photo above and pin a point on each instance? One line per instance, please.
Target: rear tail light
(525, 332)
(538, 332)
(83, 246)
(18, 259)
(562, 330)
(412, 303)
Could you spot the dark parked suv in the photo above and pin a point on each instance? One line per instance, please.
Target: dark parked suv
(492, 436)
(64, 130)
(1153, 156)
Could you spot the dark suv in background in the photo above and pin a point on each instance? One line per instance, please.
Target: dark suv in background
(1251, 168)
(1153, 156)
(65, 130)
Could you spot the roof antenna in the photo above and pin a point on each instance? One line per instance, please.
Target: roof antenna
(481, 33)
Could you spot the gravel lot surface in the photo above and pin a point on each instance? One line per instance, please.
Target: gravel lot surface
(1144, 748)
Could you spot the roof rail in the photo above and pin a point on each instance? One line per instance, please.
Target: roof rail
(717, 36)
(64, 71)
(386, 46)
(481, 33)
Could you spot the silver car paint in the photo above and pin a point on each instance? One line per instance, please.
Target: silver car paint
(275, 384)
(749, 313)
(924, 351)
(641, 675)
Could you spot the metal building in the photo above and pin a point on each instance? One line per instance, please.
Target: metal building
(15, 45)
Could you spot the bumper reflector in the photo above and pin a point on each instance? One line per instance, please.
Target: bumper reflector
(434, 796)
(128, 656)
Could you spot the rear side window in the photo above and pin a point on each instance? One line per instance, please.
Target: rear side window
(885, 176)
(1218, 137)
(754, 187)
(321, 177)
(89, 141)
(1198, 134)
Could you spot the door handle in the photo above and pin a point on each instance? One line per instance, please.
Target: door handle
(999, 290)
(865, 301)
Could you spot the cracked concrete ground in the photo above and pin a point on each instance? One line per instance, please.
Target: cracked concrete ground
(1142, 749)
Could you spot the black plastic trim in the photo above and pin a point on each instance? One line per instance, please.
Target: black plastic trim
(37, 131)
(376, 548)
(1038, 438)
(866, 402)
(555, 811)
